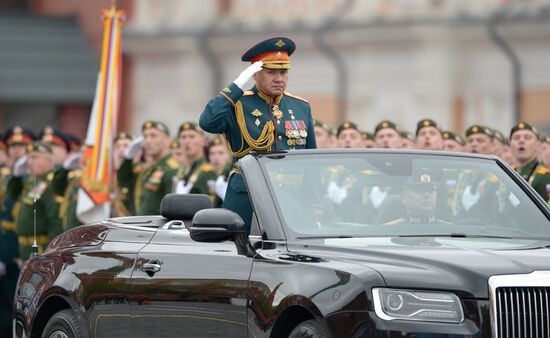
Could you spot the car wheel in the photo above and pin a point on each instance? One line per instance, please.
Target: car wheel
(64, 324)
(309, 329)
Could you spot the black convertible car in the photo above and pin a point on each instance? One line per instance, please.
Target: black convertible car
(357, 243)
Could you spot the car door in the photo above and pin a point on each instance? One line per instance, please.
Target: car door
(180, 288)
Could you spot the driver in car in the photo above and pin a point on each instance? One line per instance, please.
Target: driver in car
(419, 196)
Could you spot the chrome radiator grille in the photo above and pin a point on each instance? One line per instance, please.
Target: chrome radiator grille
(522, 312)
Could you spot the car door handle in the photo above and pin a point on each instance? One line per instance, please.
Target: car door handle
(151, 268)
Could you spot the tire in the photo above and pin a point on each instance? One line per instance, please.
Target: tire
(310, 329)
(64, 324)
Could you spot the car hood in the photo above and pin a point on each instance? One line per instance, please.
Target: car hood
(462, 265)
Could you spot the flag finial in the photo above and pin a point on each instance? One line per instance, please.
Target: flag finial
(113, 5)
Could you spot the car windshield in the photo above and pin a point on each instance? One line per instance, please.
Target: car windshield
(400, 194)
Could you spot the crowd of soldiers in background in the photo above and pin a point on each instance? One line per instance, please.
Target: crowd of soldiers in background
(42, 173)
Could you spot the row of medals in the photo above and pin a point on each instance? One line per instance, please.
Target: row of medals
(295, 136)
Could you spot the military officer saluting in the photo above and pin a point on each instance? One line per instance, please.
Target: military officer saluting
(265, 118)
(153, 180)
(524, 142)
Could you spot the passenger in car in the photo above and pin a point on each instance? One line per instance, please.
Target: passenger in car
(419, 195)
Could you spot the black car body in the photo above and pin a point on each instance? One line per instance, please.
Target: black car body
(193, 271)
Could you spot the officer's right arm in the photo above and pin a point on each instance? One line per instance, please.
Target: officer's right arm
(216, 115)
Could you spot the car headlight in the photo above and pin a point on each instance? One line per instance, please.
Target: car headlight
(393, 304)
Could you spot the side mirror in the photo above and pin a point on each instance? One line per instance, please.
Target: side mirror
(216, 225)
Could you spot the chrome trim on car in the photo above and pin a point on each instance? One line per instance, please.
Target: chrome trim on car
(533, 279)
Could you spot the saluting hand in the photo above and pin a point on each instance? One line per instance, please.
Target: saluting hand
(246, 74)
(20, 166)
(73, 161)
(134, 148)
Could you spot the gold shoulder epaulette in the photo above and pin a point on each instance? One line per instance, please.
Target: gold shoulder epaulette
(296, 97)
(49, 177)
(542, 170)
(206, 167)
(173, 164)
(5, 171)
(396, 221)
(248, 93)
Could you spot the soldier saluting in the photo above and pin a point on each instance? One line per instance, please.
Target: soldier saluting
(265, 118)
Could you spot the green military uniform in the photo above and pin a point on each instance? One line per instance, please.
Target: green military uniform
(123, 201)
(534, 172)
(538, 177)
(196, 178)
(66, 184)
(253, 121)
(152, 182)
(48, 224)
(218, 201)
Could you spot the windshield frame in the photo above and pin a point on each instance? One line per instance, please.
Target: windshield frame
(290, 234)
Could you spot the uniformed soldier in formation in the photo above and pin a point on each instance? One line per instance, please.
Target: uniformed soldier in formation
(58, 142)
(419, 195)
(387, 136)
(198, 174)
(265, 118)
(407, 140)
(524, 142)
(428, 135)
(17, 139)
(66, 184)
(153, 179)
(453, 141)
(35, 193)
(479, 139)
(323, 135)
(348, 135)
(9, 269)
(123, 199)
(221, 162)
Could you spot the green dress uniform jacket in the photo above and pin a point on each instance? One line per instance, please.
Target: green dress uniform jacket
(252, 121)
(152, 182)
(198, 175)
(66, 184)
(48, 224)
(538, 177)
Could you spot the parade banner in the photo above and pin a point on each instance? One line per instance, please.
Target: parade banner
(93, 196)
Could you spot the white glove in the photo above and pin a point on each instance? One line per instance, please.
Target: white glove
(73, 161)
(182, 188)
(469, 198)
(246, 74)
(335, 193)
(220, 187)
(20, 166)
(134, 148)
(377, 196)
